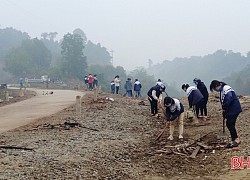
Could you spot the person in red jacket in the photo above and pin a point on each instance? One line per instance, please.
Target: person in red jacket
(90, 81)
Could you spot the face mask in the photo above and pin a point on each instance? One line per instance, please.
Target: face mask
(217, 90)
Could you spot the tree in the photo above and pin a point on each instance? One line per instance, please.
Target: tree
(18, 62)
(44, 35)
(73, 61)
(96, 54)
(218, 65)
(145, 79)
(52, 36)
(82, 34)
(53, 45)
(10, 38)
(32, 58)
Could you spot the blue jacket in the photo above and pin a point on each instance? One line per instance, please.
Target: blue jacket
(137, 86)
(194, 96)
(128, 85)
(229, 101)
(174, 110)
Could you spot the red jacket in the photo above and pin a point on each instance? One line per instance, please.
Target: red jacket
(91, 79)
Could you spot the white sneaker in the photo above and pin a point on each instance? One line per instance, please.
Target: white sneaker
(171, 138)
(180, 137)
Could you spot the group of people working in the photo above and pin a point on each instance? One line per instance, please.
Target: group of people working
(197, 99)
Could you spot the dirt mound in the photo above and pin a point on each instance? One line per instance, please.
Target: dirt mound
(116, 140)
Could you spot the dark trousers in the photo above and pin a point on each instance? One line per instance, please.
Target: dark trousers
(90, 85)
(116, 89)
(198, 107)
(203, 108)
(231, 120)
(154, 108)
(129, 93)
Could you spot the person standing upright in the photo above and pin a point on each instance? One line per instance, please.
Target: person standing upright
(137, 88)
(112, 87)
(90, 81)
(86, 82)
(21, 83)
(231, 109)
(117, 84)
(95, 81)
(128, 87)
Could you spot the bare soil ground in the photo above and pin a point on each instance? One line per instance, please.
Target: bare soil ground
(15, 96)
(117, 141)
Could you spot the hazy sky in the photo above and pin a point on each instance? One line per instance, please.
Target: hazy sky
(138, 30)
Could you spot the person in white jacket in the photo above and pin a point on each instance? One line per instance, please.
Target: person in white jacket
(117, 84)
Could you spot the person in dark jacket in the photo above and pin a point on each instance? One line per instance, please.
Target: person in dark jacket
(86, 82)
(203, 89)
(195, 98)
(174, 111)
(128, 87)
(231, 108)
(155, 97)
(112, 86)
(95, 81)
(137, 88)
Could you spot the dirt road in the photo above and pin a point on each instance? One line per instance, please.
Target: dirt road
(24, 112)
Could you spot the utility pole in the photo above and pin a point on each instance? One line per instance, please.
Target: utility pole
(112, 57)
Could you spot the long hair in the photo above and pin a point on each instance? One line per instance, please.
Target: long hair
(216, 83)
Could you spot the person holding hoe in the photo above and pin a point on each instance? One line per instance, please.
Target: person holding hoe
(174, 111)
(231, 109)
(155, 98)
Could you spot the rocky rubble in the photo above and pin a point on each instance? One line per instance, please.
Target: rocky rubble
(118, 143)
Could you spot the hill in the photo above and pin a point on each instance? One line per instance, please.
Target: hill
(213, 66)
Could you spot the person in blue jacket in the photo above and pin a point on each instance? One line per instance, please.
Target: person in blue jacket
(231, 108)
(128, 87)
(195, 98)
(155, 97)
(95, 81)
(137, 88)
(174, 112)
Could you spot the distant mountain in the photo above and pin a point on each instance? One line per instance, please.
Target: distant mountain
(213, 66)
(240, 81)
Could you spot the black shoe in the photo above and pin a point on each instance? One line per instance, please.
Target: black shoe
(232, 144)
